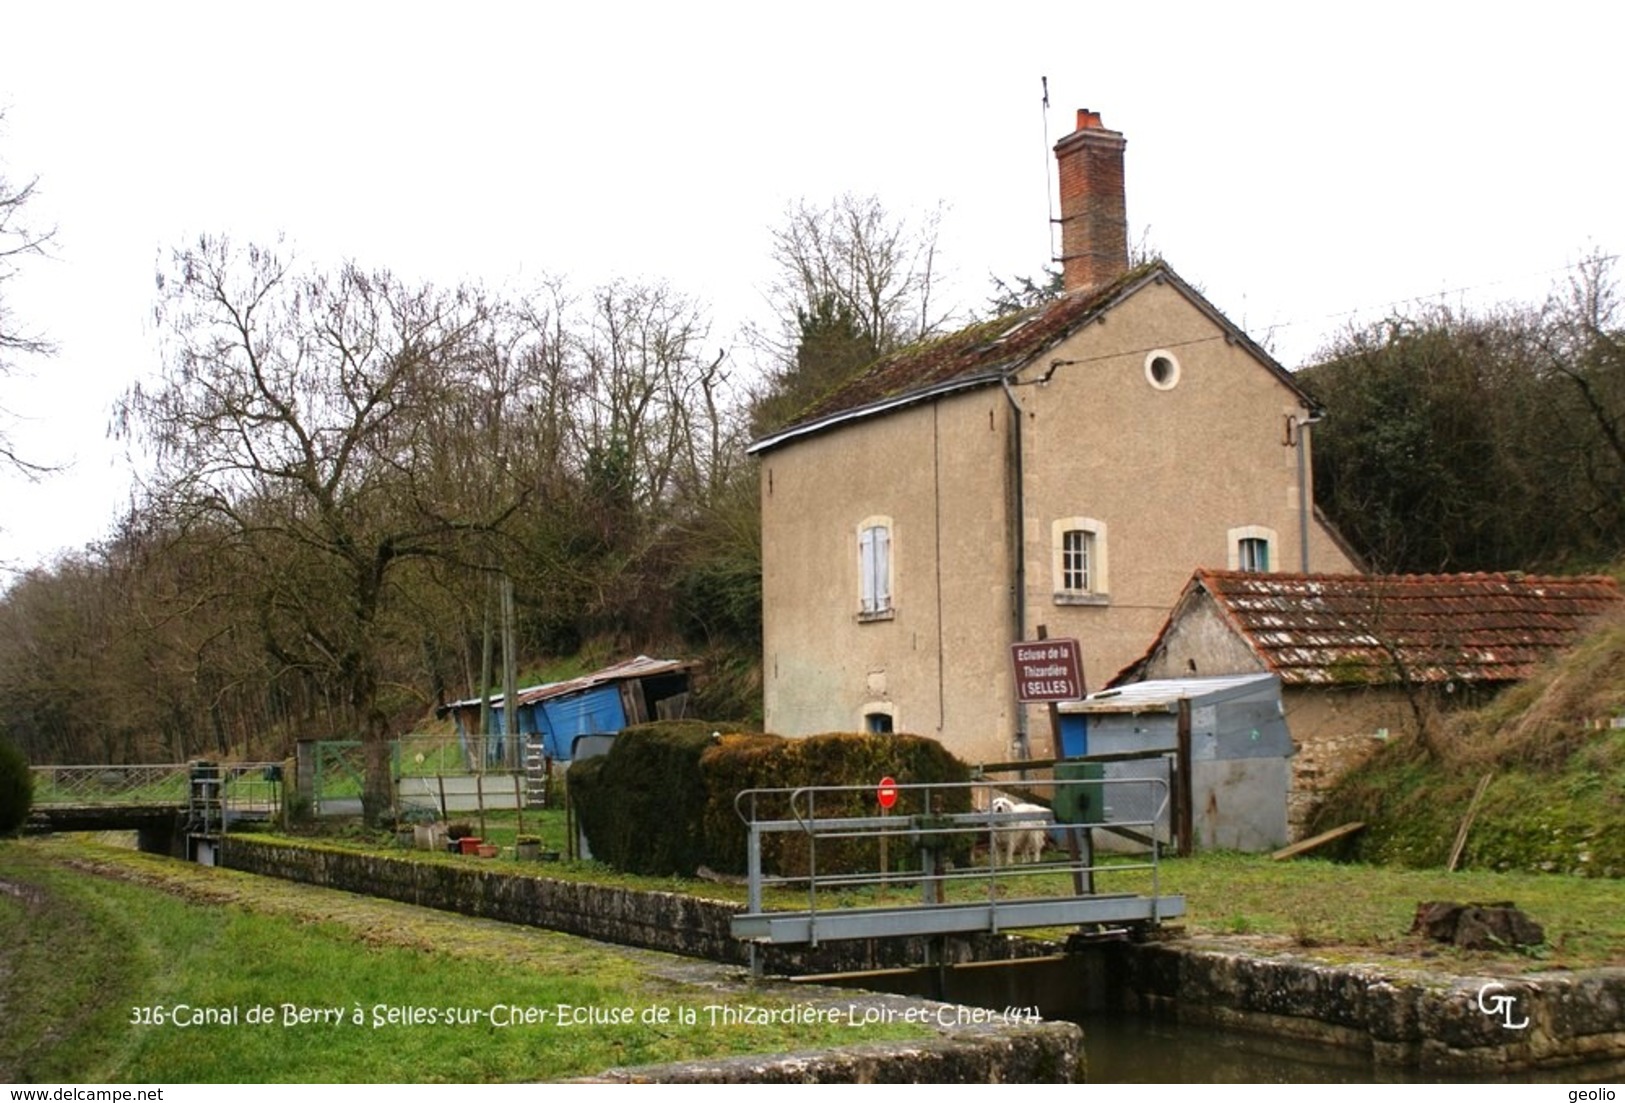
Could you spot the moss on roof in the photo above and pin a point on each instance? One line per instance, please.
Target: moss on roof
(982, 349)
(1384, 629)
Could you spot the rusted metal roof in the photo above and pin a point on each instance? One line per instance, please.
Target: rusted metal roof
(984, 353)
(1386, 629)
(640, 667)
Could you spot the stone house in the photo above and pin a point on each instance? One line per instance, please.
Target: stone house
(1364, 658)
(1062, 469)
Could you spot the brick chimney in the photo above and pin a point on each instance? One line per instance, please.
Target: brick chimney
(1094, 225)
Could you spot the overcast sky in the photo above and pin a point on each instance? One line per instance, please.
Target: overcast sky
(1304, 165)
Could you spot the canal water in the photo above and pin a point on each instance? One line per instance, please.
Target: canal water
(1124, 1048)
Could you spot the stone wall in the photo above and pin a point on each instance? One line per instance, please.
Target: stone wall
(1401, 1017)
(672, 922)
(1038, 1053)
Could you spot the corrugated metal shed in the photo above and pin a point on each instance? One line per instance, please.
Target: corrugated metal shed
(640, 667)
(1239, 753)
(555, 713)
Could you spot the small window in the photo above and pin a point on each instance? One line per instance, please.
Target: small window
(1077, 549)
(1254, 554)
(1252, 548)
(1162, 369)
(879, 717)
(875, 569)
(1078, 557)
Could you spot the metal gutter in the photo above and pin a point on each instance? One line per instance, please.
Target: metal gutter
(983, 378)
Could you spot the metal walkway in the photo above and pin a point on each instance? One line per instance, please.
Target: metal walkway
(810, 836)
(181, 808)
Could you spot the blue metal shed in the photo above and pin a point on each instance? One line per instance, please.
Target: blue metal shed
(551, 716)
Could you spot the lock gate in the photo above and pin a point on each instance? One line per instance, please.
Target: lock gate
(807, 839)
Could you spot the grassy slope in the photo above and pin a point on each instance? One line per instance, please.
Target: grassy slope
(1556, 799)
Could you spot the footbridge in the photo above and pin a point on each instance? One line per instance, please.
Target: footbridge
(180, 809)
(847, 862)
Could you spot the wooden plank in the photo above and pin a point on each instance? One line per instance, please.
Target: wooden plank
(1184, 810)
(1317, 841)
(1467, 822)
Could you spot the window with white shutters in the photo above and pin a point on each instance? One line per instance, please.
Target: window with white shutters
(875, 569)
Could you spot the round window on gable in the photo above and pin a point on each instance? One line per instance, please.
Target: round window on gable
(1161, 369)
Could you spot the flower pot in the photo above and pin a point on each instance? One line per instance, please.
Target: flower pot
(487, 850)
(469, 844)
(527, 852)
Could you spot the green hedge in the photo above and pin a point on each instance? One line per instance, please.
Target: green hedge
(835, 759)
(662, 801)
(640, 804)
(16, 788)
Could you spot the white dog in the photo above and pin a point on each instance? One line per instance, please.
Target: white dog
(1022, 840)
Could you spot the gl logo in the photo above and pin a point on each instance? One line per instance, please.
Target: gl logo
(1500, 1005)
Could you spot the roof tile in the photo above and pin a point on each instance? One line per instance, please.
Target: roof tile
(1374, 629)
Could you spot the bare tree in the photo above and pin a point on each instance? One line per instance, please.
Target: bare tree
(331, 428)
(1585, 345)
(638, 375)
(876, 265)
(852, 282)
(18, 239)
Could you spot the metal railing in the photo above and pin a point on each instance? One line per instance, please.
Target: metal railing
(245, 789)
(94, 785)
(431, 773)
(936, 822)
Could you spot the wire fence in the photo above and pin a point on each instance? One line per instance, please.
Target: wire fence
(431, 773)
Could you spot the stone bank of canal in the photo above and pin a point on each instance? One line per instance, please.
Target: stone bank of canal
(1394, 1013)
(1201, 1010)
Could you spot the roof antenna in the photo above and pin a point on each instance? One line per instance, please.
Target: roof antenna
(1049, 194)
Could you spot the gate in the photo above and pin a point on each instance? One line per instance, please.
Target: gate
(990, 897)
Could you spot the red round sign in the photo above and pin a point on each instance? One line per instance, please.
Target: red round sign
(886, 792)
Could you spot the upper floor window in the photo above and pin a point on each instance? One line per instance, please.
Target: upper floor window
(875, 569)
(1253, 554)
(1077, 549)
(1078, 560)
(1252, 548)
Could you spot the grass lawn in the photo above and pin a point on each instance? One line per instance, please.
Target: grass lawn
(1346, 910)
(105, 948)
(103, 945)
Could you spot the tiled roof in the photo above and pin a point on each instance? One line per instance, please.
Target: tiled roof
(1005, 341)
(1377, 629)
(981, 354)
